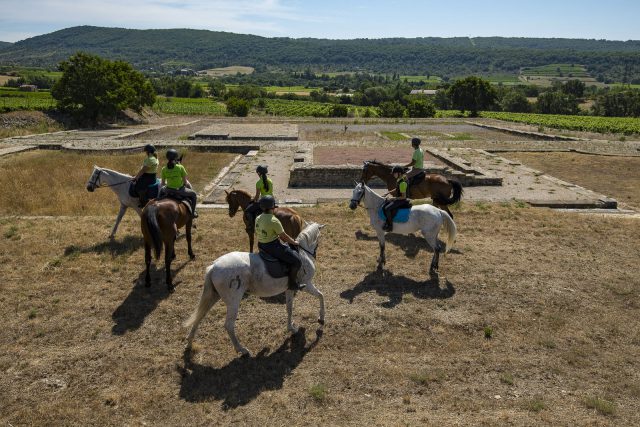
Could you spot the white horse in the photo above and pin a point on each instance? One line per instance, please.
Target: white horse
(235, 273)
(426, 218)
(119, 184)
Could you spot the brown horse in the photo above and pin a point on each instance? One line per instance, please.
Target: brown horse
(441, 190)
(291, 221)
(160, 221)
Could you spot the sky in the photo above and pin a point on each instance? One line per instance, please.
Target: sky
(333, 19)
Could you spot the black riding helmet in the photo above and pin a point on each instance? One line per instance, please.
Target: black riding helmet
(397, 169)
(149, 149)
(267, 202)
(262, 169)
(415, 142)
(172, 154)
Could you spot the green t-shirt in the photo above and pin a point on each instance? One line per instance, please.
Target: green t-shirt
(402, 187)
(150, 164)
(263, 191)
(173, 177)
(418, 156)
(268, 228)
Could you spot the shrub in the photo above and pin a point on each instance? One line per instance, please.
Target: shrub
(421, 108)
(391, 109)
(238, 107)
(339, 110)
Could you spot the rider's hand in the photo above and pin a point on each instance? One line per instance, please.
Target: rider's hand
(295, 243)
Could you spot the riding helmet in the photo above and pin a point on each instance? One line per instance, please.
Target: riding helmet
(415, 142)
(267, 202)
(397, 169)
(172, 154)
(149, 149)
(262, 169)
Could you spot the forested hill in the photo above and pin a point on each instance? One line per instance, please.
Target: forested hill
(200, 49)
(5, 45)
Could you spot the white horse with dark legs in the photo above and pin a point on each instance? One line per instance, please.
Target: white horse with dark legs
(235, 273)
(425, 218)
(119, 184)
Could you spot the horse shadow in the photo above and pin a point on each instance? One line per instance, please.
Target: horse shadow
(141, 301)
(126, 246)
(410, 244)
(385, 283)
(244, 378)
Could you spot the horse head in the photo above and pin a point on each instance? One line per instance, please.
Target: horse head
(309, 238)
(94, 179)
(358, 194)
(232, 200)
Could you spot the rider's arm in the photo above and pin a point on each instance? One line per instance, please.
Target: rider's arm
(287, 239)
(413, 162)
(257, 196)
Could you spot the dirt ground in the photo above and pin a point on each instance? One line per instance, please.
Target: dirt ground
(616, 176)
(357, 155)
(83, 342)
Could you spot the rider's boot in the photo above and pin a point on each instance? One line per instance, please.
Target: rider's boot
(293, 282)
(388, 225)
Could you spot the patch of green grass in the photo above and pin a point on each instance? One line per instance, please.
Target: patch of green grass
(11, 233)
(488, 332)
(536, 404)
(463, 136)
(483, 206)
(605, 407)
(33, 313)
(318, 392)
(506, 378)
(425, 377)
(393, 136)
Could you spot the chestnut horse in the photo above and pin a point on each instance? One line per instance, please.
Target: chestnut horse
(160, 221)
(442, 191)
(291, 221)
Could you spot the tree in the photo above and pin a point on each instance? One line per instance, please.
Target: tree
(473, 94)
(554, 102)
(93, 88)
(391, 109)
(421, 107)
(515, 102)
(339, 110)
(574, 87)
(238, 107)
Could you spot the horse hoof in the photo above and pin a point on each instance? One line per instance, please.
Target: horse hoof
(171, 289)
(192, 256)
(321, 321)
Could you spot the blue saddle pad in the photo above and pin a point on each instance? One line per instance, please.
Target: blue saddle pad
(401, 216)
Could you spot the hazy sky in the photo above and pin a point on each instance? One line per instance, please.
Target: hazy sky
(344, 19)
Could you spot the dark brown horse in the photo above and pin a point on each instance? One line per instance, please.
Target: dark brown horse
(442, 191)
(240, 199)
(160, 221)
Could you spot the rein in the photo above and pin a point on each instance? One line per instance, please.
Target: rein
(95, 182)
(313, 254)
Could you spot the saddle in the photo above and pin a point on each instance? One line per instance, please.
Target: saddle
(151, 193)
(178, 198)
(402, 215)
(275, 267)
(416, 179)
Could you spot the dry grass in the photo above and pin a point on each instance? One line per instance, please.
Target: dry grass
(54, 183)
(83, 342)
(618, 177)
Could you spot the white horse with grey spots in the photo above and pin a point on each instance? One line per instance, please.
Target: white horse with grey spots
(119, 184)
(235, 273)
(424, 218)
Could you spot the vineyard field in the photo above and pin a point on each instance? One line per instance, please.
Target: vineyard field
(624, 125)
(292, 108)
(12, 99)
(189, 106)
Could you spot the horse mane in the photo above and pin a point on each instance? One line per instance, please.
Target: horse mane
(245, 193)
(112, 171)
(308, 237)
(375, 162)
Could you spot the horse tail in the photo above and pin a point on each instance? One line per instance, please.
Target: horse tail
(450, 229)
(207, 299)
(154, 228)
(457, 194)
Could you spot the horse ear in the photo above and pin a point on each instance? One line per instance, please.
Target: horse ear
(306, 223)
(322, 225)
(226, 192)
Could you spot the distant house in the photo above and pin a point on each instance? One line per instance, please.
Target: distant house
(424, 92)
(186, 72)
(28, 88)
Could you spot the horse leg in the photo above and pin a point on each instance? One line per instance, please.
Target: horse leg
(189, 249)
(310, 288)
(147, 261)
(251, 237)
(381, 259)
(168, 257)
(121, 212)
(230, 326)
(290, 326)
(432, 240)
(207, 300)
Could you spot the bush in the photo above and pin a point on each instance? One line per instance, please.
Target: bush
(391, 109)
(339, 110)
(421, 108)
(515, 102)
(238, 107)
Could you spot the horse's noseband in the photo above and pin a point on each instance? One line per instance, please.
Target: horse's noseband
(94, 183)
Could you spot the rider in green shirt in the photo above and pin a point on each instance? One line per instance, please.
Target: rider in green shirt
(417, 159)
(175, 182)
(392, 205)
(264, 187)
(146, 176)
(270, 231)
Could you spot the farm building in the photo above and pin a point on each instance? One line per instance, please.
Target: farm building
(28, 88)
(424, 92)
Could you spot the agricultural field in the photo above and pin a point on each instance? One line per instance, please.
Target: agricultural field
(12, 99)
(226, 71)
(425, 79)
(188, 106)
(545, 75)
(295, 108)
(622, 125)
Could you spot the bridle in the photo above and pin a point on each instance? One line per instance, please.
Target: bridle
(357, 201)
(313, 254)
(95, 185)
